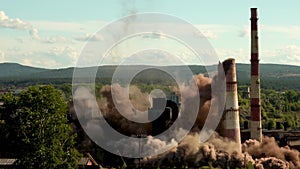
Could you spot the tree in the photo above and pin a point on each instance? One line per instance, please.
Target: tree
(37, 121)
(66, 89)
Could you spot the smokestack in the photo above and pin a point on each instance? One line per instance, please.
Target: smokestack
(231, 122)
(256, 130)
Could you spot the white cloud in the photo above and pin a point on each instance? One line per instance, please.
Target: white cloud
(89, 37)
(34, 33)
(16, 23)
(215, 27)
(64, 56)
(2, 56)
(209, 34)
(41, 62)
(245, 32)
(52, 39)
(240, 55)
(27, 62)
(212, 31)
(56, 39)
(293, 31)
(67, 51)
(6, 22)
(154, 35)
(54, 57)
(289, 54)
(71, 27)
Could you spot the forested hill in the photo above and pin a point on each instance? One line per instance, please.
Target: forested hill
(273, 76)
(15, 70)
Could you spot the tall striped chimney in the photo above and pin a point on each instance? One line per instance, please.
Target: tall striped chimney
(256, 130)
(231, 121)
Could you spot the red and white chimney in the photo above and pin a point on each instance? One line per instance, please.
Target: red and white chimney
(256, 129)
(231, 121)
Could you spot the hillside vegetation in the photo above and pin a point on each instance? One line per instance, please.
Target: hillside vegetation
(276, 77)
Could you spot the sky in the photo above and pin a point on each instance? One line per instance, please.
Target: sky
(53, 34)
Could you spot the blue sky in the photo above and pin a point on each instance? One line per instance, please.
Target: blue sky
(52, 34)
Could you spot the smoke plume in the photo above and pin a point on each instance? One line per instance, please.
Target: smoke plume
(138, 100)
(216, 151)
(204, 85)
(223, 153)
(269, 148)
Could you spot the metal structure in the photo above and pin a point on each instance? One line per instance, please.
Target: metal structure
(165, 118)
(256, 129)
(231, 121)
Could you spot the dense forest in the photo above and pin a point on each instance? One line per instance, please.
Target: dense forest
(280, 109)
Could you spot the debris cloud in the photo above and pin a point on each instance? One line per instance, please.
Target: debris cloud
(269, 148)
(217, 151)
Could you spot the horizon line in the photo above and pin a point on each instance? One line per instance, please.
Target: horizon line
(39, 67)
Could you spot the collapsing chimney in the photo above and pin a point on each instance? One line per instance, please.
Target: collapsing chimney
(256, 130)
(231, 124)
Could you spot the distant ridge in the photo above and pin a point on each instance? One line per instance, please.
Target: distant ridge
(272, 75)
(15, 69)
(9, 70)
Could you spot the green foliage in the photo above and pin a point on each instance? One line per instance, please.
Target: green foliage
(67, 90)
(98, 87)
(277, 77)
(36, 120)
(249, 165)
(271, 124)
(276, 106)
